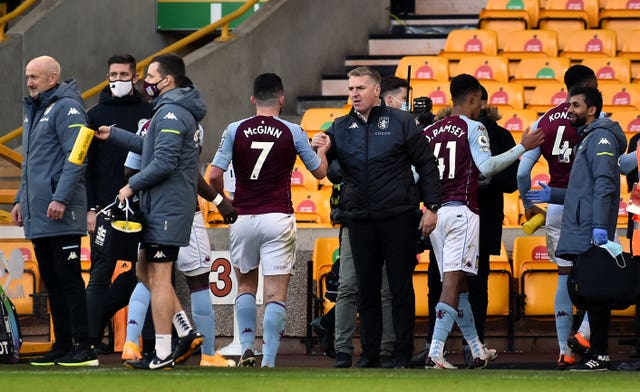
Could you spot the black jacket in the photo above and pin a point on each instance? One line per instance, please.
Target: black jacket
(376, 158)
(490, 196)
(105, 171)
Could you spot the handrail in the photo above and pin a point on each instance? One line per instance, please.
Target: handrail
(14, 14)
(196, 35)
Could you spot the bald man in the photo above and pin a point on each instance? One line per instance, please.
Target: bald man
(51, 205)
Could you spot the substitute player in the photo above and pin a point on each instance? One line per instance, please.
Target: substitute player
(263, 149)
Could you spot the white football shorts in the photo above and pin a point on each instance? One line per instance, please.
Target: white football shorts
(455, 240)
(195, 258)
(267, 239)
(552, 228)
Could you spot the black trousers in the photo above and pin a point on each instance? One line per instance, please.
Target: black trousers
(599, 321)
(103, 298)
(373, 242)
(59, 266)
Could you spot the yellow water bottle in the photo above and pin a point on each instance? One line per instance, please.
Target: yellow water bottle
(81, 145)
(533, 224)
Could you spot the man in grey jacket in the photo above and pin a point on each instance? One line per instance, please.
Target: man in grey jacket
(590, 201)
(51, 205)
(166, 184)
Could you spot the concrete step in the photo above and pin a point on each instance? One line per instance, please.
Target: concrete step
(305, 102)
(430, 24)
(457, 7)
(405, 44)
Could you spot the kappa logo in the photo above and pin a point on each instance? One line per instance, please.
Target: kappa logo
(170, 116)
(354, 125)
(72, 111)
(72, 256)
(604, 140)
(159, 255)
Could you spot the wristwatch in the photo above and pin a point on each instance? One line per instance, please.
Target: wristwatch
(433, 207)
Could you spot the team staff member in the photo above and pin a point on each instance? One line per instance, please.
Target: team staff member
(375, 147)
(51, 205)
(590, 201)
(166, 185)
(263, 149)
(122, 105)
(558, 149)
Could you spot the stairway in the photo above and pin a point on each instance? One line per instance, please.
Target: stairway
(411, 34)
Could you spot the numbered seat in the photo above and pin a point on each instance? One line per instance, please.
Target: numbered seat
(302, 177)
(567, 16)
(461, 43)
(547, 96)
(507, 16)
(610, 69)
(536, 274)
(517, 120)
(629, 120)
(437, 91)
(531, 44)
(494, 68)
(311, 208)
(620, 96)
(505, 95)
(532, 72)
(315, 120)
(583, 44)
(621, 16)
(424, 68)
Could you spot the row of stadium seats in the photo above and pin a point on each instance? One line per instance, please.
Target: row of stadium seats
(563, 16)
(522, 287)
(530, 72)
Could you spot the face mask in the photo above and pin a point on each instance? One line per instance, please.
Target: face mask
(152, 88)
(120, 88)
(613, 248)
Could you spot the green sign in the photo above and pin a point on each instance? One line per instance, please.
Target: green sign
(194, 15)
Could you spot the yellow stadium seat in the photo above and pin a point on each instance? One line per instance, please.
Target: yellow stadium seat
(461, 43)
(421, 285)
(610, 69)
(437, 91)
(506, 16)
(547, 96)
(631, 50)
(583, 44)
(531, 43)
(532, 72)
(505, 95)
(325, 253)
(494, 68)
(499, 288)
(320, 119)
(620, 96)
(540, 173)
(528, 248)
(629, 120)
(311, 207)
(424, 67)
(302, 177)
(621, 16)
(511, 209)
(537, 288)
(567, 16)
(517, 120)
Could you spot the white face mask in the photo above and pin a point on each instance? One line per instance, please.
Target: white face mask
(120, 88)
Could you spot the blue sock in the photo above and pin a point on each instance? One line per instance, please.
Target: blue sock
(205, 319)
(564, 313)
(138, 305)
(246, 318)
(273, 326)
(467, 325)
(445, 317)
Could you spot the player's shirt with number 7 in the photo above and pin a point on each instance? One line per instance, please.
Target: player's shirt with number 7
(263, 150)
(460, 145)
(560, 137)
